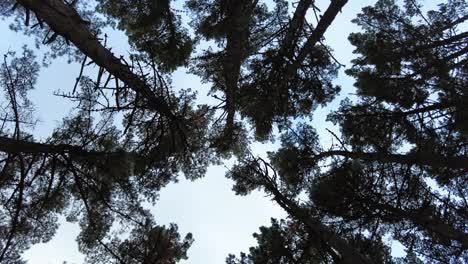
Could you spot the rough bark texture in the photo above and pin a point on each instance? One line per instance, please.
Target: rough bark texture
(64, 20)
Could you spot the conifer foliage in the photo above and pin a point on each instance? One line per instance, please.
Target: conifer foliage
(397, 171)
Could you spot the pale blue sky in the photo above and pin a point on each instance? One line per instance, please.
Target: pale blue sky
(221, 222)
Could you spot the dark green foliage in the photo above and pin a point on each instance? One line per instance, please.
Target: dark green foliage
(397, 169)
(255, 62)
(147, 244)
(290, 242)
(410, 258)
(92, 173)
(282, 242)
(152, 27)
(294, 161)
(402, 63)
(364, 194)
(280, 94)
(412, 80)
(405, 128)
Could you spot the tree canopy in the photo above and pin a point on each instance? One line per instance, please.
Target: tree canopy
(398, 168)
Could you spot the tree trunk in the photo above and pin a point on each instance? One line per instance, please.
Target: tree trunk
(295, 26)
(347, 254)
(63, 20)
(322, 26)
(239, 15)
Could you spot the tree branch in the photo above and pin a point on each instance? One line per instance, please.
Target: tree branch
(413, 158)
(64, 20)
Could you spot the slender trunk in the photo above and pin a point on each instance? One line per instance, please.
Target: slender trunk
(239, 18)
(322, 26)
(295, 26)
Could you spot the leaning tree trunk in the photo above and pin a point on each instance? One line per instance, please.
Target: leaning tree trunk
(64, 20)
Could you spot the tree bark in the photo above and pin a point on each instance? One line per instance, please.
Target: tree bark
(13, 146)
(295, 26)
(64, 20)
(347, 254)
(239, 15)
(414, 158)
(322, 26)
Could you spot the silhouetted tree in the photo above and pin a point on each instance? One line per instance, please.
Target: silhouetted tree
(152, 27)
(405, 128)
(88, 170)
(292, 242)
(270, 66)
(398, 168)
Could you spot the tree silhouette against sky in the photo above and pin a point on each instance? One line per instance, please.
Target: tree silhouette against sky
(397, 168)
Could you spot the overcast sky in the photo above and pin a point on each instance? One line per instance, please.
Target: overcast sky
(221, 222)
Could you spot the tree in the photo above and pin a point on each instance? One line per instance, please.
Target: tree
(153, 28)
(403, 129)
(275, 84)
(291, 242)
(422, 71)
(88, 170)
(399, 167)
